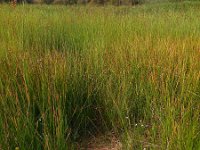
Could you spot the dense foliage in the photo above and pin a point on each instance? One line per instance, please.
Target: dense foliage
(70, 72)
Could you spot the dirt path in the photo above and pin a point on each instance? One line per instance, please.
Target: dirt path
(102, 142)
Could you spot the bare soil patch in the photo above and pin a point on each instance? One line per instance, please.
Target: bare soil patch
(107, 141)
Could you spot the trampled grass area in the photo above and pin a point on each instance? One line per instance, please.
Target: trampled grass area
(70, 72)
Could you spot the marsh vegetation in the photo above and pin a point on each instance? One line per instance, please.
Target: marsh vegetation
(67, 73)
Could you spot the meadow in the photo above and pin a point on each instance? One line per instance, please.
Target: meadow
(71, 72)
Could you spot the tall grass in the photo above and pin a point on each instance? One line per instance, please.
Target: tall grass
(70, 72)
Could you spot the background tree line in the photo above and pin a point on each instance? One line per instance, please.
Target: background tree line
(72, 2)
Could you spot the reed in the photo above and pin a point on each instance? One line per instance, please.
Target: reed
(69, 72)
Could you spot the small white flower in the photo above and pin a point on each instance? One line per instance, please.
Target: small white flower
(136, 124)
